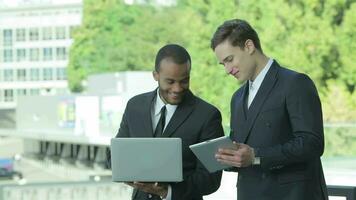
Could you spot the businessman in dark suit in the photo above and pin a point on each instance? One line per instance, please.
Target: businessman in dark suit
(276, 122)
(185, 116)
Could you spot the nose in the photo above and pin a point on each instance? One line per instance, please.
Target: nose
(177, 88)
(228, 69)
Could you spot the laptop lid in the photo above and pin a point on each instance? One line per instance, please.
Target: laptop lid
(146, 159)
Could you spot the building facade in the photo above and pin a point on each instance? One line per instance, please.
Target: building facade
(35, 39)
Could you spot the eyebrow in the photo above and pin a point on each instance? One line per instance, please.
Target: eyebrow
(227, 57)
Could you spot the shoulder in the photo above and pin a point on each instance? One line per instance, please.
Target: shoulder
(203, 105)
(140, 98)
(294, 81)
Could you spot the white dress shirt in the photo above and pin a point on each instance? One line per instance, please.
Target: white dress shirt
(255, 85)
(156, 114)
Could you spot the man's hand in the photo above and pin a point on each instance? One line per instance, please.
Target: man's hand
(242, 156)
(152, 188)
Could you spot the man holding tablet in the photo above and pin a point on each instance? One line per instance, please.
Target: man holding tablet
(172, 110)
(276, 119)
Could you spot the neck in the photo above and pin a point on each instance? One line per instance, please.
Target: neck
(261, 62)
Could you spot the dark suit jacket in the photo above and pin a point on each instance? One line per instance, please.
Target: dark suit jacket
(194, 121)
(284, 124)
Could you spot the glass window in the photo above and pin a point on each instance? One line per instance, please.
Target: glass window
(21, 35)
(8, 75)
(7, 33)
(21, 92)
(47, 54)
(8, 55)
(61, 74)
(71, 30)
(21, 74)
(61, 53)
(21, 55)
(60, 32)
(34, 74)
(47, 74)
(34, 54)
(34, 91)
(34, 34)
(47, 33)
(8, 95)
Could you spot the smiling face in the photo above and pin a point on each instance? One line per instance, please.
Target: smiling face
(238, 62)
(173, 80)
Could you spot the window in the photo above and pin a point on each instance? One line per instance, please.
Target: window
(8, 75)
(60, 32)
(34, 34)
(20, 35)
(47, 54)
(21, 92)
(8, 95)
(7, 33)
(34, 91)
(47, 74)
(8, 55)
(34, 54)
(47, 33)
(61, 53)
(21, 55)
(21, 74)
(61, 74)
(34, 74)
(71, 30)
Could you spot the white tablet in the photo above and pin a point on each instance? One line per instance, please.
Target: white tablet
(205, 152)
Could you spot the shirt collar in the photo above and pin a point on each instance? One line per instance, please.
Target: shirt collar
(258, 80)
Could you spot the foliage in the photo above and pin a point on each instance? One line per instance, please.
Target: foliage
(315, 37)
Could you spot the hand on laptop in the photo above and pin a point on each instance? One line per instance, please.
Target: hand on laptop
(153, 188)
(242, 156)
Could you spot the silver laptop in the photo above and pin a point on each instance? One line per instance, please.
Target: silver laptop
(146, 159)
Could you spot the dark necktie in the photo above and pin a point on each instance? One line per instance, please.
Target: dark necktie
(161, 123)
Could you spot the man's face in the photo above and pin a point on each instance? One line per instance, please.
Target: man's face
(173, 80)
(237, 62)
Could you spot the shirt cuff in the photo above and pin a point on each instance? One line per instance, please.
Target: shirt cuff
(169, 193)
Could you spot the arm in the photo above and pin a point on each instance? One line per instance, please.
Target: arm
(305, 116)
(200, 182)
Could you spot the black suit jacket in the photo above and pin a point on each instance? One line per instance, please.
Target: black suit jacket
(284, 124)
(194, 121)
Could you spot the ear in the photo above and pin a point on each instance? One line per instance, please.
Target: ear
(155, 75)
(250, 46)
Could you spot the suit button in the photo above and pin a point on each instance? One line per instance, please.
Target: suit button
(268, 125)
(150, 196)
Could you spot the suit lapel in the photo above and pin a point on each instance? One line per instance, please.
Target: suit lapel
(239, 113)
(180, 115)
(257, 103)
(147, 118)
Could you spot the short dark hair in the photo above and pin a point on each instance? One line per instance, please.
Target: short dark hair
(237, 31)
(177, 53)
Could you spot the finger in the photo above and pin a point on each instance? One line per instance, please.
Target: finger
(231, 163)
(227, 151)
(233, 158)
(237, 145)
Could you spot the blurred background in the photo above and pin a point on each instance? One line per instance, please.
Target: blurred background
(68, 67)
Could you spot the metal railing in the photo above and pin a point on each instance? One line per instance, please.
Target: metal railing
(342, 191)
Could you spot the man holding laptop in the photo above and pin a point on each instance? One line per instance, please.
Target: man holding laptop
(172, 111)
